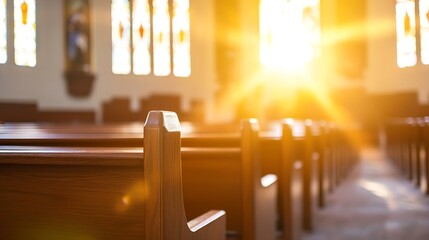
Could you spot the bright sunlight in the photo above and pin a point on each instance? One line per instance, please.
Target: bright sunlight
(289, 34)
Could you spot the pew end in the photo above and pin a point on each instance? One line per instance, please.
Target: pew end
(164, 206)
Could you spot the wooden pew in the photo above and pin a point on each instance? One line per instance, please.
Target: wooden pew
(320, 176)
(273, 144)
(407, 147)
(249, 205)
(89, 193)
(306, 153)
(402, 131)
(230, 165)
(278, 151)
(276, 157)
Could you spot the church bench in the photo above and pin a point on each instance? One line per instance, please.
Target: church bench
(203, 136)
(249, 204)
(318, 174)
(407, 147)
(290, 149)
(89, 193)
(290, 156)
(320, 152)
(229, 163)
(278, 150)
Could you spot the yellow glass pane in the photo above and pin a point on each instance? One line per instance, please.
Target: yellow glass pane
(424, 30)
(161, 38)
(141, 37)
(3, 32)
(406, 33)
(121, 37)
(181, 39)
(25, 32)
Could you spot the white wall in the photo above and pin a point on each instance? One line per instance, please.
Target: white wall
(45, 84)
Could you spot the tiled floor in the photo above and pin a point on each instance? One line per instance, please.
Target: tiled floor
(374, 202)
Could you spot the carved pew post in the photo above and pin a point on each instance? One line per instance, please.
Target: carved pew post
(307, 183)
(164, 197)
(292, 187)
(259, 202)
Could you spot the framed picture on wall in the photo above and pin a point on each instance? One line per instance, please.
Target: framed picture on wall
(78, 47)
(78, 35)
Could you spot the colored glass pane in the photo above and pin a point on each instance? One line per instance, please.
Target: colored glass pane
(25, 32)
(121, 37)
(141, 37)
(406, 33)
(181, 39)
(161, 38)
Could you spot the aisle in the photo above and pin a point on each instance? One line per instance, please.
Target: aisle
(375, 202)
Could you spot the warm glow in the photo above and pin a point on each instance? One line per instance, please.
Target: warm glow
(406, 33)
(121, 52)
(25, 32)
(289, 34)
(135, 195)
(3, 32)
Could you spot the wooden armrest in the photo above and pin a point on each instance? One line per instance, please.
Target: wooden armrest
(206, 219)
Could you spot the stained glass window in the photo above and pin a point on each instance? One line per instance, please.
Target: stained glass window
(161, 35)
(121, 37)
(289, 33)
(25, 32)
(406, 33)
(141, 37)
(181, 39)
(3, 32)
(424, 30)
(149, 37)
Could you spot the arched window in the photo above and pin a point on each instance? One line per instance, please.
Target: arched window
(289, 33)
(151, 37)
